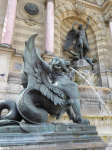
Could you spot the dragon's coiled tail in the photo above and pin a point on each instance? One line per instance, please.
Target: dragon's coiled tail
(24, 108)
(27, 107)
(13, 113)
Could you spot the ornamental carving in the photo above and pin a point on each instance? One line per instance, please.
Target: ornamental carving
(79, 7)
(30, 21)
(31, 12)
(108, 14)
(31, 9)
(58, 5)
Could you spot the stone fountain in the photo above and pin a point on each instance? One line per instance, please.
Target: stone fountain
(47, 90)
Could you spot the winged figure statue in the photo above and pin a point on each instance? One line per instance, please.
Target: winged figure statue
(47, 90)
(81, 45)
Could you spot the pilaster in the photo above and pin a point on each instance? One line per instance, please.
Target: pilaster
(5, 60)
(8, 27)
(49, 41)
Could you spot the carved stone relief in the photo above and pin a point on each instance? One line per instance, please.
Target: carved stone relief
(30, 11)
(108, 14)
(79, 7)
(58, 5)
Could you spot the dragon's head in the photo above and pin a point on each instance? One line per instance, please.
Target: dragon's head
(59, 65)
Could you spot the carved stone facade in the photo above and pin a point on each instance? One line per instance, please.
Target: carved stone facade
(79, 7)
(65, 13)
(33, 17)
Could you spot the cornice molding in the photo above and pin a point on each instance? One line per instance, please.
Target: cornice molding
(51, 1)
(106, 5)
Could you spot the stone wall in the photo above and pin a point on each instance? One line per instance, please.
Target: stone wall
(25, 26)
(66, 12)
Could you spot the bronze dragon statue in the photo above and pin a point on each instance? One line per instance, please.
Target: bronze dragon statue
(47, 90)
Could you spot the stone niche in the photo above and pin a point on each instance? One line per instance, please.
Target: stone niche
(65, 26)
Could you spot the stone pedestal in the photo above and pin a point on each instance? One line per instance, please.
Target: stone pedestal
(51, 137)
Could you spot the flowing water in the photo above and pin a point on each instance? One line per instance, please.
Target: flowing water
(93, 90)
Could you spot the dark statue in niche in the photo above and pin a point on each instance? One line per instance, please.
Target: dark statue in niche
(47, 90)
(81, 45)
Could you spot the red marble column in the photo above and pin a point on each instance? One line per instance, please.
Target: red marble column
(8, 27)
(49, 41)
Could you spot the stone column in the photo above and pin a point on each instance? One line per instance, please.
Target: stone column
(49, 41)
(8, 27)
(110, 26)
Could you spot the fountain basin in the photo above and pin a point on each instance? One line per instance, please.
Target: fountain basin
(92, 103)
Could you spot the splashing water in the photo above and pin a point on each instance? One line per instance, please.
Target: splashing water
(93, 90)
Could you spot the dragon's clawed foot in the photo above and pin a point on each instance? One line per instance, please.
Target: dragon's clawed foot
(81, 120)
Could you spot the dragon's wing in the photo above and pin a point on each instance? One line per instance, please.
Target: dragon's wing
(36, 72)
(71, 36)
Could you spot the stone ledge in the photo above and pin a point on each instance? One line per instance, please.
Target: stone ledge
(5, 49)
(52, 136)
(67, 146)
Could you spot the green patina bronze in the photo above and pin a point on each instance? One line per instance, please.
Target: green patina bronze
(81, 45)
(31, 9)
(47, 90)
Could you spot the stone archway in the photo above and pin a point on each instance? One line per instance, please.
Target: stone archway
(64, 11)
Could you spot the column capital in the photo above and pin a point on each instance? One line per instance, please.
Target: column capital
(108, 15)
(51, 1)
